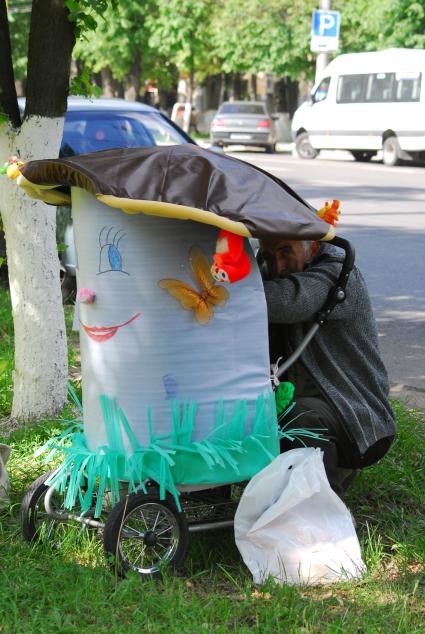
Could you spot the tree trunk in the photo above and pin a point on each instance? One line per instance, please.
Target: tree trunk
(107, 82)
(252, 87)
(30, 227)
(8, 97)
(286, 95)
(49, 58)
(212, 91)
(40, 373)
(238, 87)
(133, 93)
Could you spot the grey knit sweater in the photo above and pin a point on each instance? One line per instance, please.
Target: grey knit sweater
(343, 358)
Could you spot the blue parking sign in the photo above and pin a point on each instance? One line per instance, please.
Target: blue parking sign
(325, 30)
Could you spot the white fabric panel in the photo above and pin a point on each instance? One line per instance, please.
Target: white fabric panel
(163, 353)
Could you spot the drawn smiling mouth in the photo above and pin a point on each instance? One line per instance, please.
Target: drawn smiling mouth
(103, 333)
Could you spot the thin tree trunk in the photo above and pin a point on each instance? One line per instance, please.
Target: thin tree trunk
(134, 76)
(107, 82)
(8, 97)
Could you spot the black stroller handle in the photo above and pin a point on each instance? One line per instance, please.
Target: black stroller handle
(337, 293)
(336, 296)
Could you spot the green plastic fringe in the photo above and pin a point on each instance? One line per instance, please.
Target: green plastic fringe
(227, 454)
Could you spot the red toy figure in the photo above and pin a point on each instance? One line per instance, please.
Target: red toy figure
(231, 263)
(330, 213)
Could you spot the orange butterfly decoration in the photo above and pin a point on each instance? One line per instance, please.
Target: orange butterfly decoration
(200, 302)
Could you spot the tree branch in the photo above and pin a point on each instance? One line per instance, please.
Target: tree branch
(8, 97)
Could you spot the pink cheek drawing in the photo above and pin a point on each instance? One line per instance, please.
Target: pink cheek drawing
(85, 296)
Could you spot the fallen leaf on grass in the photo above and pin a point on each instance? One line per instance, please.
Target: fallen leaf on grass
(266, 596)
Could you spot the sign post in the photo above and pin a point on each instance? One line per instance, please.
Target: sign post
(324, 34)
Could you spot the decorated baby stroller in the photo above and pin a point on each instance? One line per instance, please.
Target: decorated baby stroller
(178, 402)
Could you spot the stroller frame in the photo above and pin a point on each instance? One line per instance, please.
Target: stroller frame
(143, 532)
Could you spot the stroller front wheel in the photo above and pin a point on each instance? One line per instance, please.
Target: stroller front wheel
(144, 533)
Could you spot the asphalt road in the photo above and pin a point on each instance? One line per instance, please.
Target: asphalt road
(383, 215)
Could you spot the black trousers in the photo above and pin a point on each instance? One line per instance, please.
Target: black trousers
(313, 413)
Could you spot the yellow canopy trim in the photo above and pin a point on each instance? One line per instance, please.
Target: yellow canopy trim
(46, 193)
(331, 234)
(171, 210)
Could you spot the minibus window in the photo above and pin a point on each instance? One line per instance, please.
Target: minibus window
(380, 87)
(351, 88)
(322, 90)
(407, 87)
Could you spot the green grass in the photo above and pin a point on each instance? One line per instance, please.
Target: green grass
(68, 587)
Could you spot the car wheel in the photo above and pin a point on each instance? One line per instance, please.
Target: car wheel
(391, 151)
(270, 148)
(362, 157)
(304, 148)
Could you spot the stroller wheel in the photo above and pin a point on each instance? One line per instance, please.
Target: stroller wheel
(36, 523)
(144, 533)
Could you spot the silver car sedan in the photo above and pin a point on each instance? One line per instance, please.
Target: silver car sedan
(244, 123)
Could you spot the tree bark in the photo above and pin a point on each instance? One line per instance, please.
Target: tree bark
(134, 76)
(51, 41)
(286, 95)
(8, 97)
(107, 82)
(40, 374)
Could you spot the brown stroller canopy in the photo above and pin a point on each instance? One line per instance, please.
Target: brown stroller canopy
(182, 181)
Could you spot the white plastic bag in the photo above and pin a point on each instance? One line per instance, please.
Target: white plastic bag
(292, 526)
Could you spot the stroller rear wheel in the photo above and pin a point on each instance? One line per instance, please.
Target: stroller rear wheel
(37, 525)
(144, 533)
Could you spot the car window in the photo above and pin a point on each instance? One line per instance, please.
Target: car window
(242, 108)
(161, 130)
(322, 90)
(92, 131)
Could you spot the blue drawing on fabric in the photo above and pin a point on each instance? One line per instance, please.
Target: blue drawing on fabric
(110, 258)
(170, 385)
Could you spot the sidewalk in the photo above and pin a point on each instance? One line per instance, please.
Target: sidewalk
(411, 396)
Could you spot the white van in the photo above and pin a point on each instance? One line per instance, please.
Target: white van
(365, 102)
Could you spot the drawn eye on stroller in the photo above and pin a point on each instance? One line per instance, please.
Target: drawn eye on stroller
(110, 258)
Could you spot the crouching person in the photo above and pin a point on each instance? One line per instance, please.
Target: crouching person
(341, 384)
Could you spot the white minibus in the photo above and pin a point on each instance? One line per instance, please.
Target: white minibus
(365, 102)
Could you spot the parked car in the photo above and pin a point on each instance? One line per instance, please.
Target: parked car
(244, 123)
(102, 124)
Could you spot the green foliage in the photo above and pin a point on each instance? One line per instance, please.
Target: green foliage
(275, 39)
(82, 85)
(61, 247)
(84, 13)
(182, 30)
(377, 24)
(205, 37)
(19, 25)
(121, 45)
